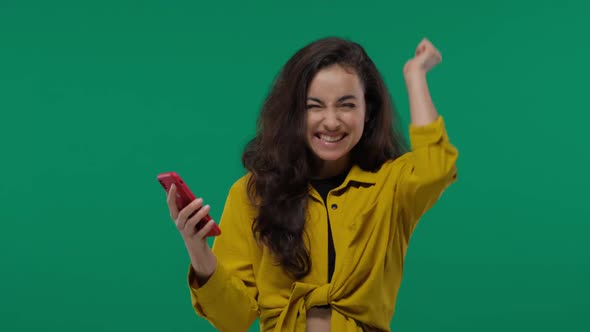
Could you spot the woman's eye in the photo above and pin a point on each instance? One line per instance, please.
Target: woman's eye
(349, 105)
(312, 106)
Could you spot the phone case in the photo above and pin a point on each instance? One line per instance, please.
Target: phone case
(184, 197)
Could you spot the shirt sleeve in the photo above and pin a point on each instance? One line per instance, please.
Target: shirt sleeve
(228, 300)
(429, 169)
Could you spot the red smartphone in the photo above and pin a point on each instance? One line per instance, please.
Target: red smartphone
(184, 197)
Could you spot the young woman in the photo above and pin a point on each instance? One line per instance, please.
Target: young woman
(314, 235)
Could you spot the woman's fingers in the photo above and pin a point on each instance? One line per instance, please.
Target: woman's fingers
(183, 216)
(171, 200)
(191, 224)
(202, 234)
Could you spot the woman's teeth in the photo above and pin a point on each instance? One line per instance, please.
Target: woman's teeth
(331, 139)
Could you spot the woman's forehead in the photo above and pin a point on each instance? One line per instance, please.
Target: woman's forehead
(335, 82)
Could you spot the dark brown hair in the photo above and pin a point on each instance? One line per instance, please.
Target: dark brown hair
(279, 159)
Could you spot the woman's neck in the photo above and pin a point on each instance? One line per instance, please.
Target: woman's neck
(331, 168)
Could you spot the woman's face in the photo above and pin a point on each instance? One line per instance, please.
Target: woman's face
(335, 117)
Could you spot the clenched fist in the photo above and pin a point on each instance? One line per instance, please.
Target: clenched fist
(426, 57)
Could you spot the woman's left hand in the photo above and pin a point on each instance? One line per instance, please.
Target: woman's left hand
(425, 58)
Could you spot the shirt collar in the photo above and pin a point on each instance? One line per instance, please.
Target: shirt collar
(357, 174)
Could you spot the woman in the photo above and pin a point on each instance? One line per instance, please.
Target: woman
(314, 235)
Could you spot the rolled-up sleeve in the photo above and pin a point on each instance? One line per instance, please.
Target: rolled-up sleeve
(428, 170)
(228, 300)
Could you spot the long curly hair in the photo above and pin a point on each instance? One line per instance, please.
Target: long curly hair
(280, 161)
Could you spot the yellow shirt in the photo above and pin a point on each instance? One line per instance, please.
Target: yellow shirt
(372, 216)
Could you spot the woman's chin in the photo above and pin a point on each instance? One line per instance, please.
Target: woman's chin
(330, 156)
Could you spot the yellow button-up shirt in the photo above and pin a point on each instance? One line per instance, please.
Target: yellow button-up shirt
(372, 216)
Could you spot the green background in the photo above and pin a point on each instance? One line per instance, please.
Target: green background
(96, 98)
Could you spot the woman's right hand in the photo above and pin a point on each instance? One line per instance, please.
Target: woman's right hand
(203, 260)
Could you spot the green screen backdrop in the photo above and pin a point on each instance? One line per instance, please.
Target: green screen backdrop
(98, 97)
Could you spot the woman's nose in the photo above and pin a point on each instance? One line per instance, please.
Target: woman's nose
(331, 120)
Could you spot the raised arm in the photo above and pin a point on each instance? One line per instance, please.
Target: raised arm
(422, 108)
(430, 167)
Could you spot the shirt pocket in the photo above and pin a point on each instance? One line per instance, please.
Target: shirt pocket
(360, 226)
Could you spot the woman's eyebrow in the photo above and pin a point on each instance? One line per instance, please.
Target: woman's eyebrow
(341, 99)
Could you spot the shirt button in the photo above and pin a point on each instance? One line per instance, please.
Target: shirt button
(334, 206)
